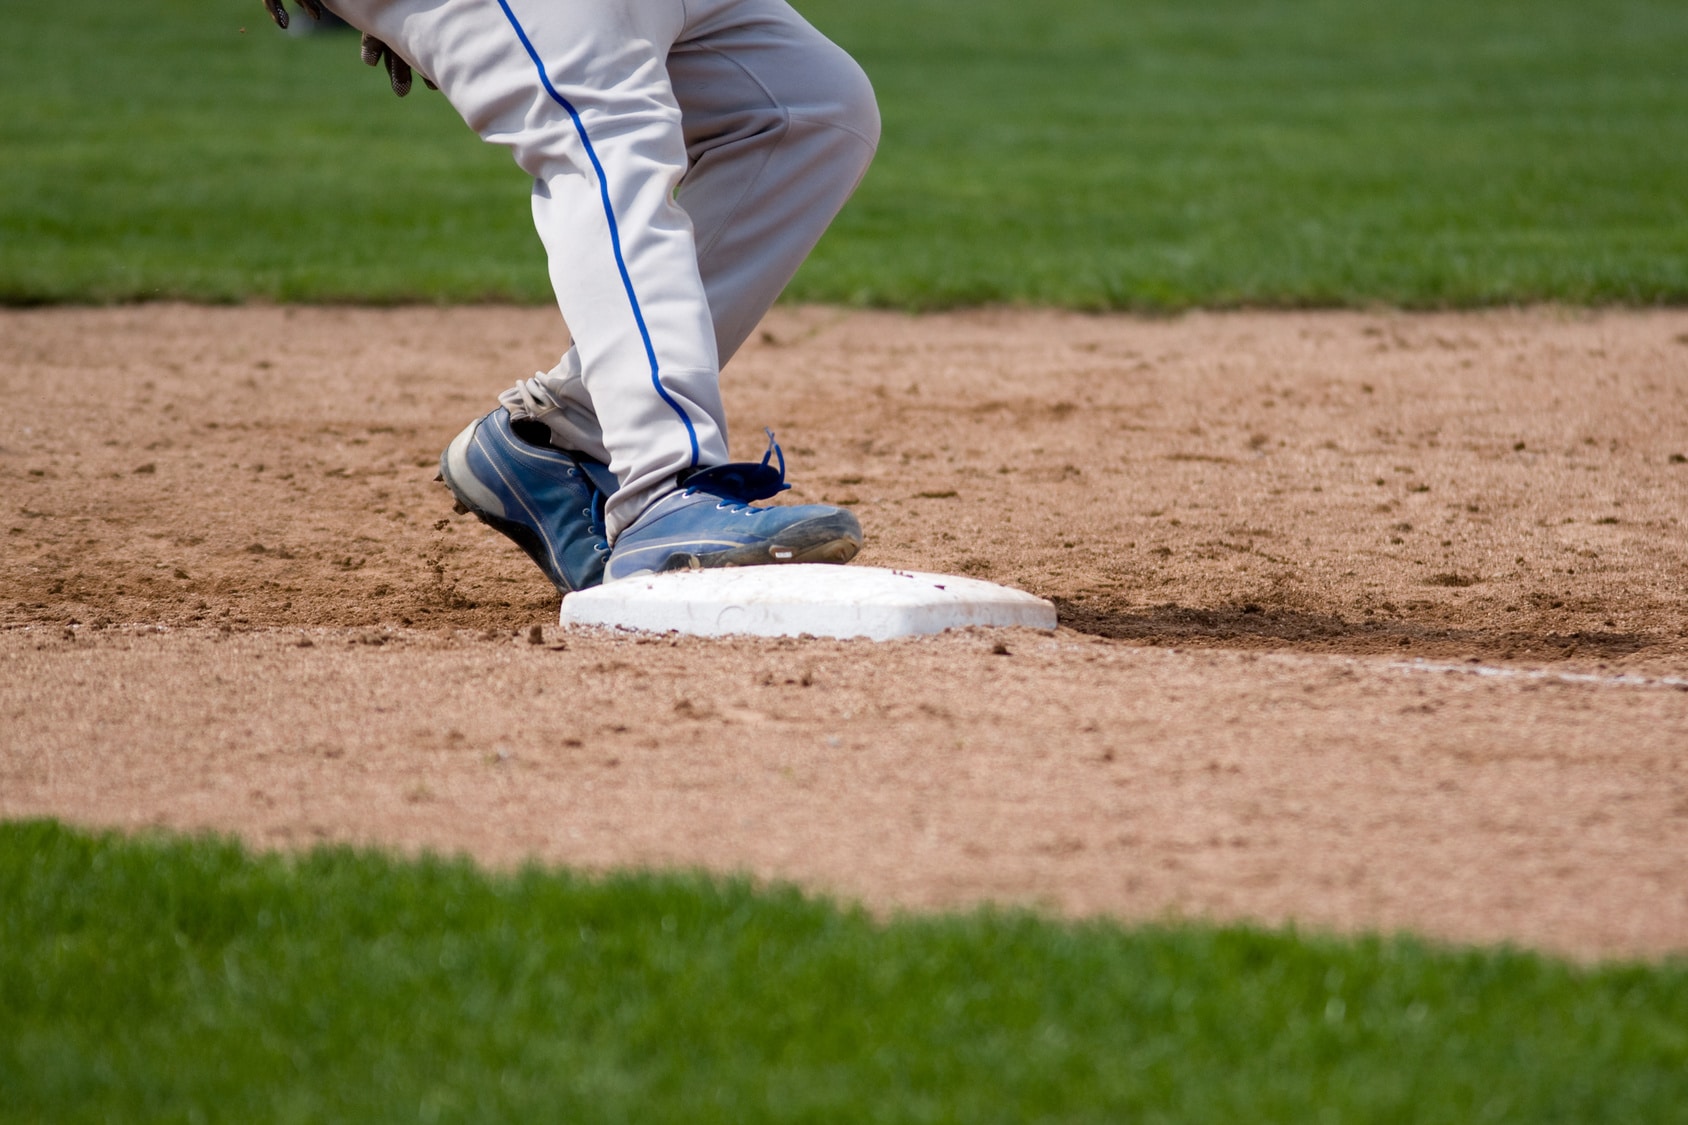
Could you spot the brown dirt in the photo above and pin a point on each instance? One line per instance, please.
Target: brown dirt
(1370, 620)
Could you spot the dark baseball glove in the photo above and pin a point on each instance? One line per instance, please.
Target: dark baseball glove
(374, 52)
(279, 13)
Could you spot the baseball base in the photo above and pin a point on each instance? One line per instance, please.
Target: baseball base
(788, 601)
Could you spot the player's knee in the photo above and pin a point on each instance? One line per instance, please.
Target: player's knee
(858, 109)
(835, 91)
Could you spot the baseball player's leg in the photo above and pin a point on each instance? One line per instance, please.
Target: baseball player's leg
(579, 92)
(780, 125)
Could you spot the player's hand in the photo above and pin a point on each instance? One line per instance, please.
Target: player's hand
(279, 13)
(376, 53)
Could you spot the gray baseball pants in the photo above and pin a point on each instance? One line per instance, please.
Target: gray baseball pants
(686, 156)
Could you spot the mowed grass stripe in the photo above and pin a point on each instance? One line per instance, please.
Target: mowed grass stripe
(188, 979)
(1318, 152)
(1088, 153)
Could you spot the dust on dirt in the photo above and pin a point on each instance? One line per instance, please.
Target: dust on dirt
(236, 598)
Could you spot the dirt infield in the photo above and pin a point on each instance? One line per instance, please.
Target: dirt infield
(1370, 620)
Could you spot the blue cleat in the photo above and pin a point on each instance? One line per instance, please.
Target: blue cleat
(710, 521)
(546, 500)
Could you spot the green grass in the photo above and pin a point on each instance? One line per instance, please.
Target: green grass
(187, 980)
(1093, 153)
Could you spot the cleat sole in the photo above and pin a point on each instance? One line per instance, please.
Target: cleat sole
(837, 551)
(832, 549)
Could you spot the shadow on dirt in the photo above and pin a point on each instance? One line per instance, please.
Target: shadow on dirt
(1255, 627)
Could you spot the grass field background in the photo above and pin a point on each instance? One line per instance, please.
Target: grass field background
(188, 980)
(1081, 152)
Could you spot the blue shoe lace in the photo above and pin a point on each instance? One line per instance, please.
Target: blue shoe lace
(739, 483)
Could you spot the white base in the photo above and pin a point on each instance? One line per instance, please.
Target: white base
(789, 600)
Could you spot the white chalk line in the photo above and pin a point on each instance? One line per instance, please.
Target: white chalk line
(1491, 671)
(1485, 671)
